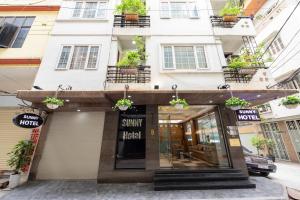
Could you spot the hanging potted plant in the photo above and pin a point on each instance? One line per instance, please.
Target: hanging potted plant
(131, 9)
(19, 159)
(235, 103)
(123, 104)
(230, 12)
(179, 103)
(129, 62)
(291, 102)
(53, 102)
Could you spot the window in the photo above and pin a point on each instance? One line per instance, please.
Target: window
(78, 57)
(177, 9)
(14, 30)
(93, 9)
(184, 57)
(276, 46)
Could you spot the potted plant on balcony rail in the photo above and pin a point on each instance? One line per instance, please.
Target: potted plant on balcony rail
(53, 102)
(291, 101)
(123, 104)
(230, 12)
(235, 103)
(129, 62)
(179, 103)
(19, 159)
(131, 9)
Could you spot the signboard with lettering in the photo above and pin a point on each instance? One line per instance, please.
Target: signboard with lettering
(28, 120)
(131, 138)
(247, 115)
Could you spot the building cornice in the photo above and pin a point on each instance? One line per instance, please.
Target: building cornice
(28, 8)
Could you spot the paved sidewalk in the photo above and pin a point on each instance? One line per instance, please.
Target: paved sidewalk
(89, 190)
(288, 174)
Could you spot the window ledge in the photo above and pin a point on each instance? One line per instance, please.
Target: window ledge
(174, 71)
(82, 20)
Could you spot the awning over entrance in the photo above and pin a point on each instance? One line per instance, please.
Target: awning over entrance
(105, 99)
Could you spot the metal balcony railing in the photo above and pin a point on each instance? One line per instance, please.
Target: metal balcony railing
(243, 75)
(217, 21)
(114, 75)
(143, 21)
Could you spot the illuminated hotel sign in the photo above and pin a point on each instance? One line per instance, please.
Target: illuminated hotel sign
(28, 120)
(248, 115)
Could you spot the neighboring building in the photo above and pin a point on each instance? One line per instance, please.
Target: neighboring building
(24, 32)
(281, 124)
(86, 139)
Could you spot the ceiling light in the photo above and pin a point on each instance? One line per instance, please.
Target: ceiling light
(67, 100)
(133, 42)
(259, 95)
(210, 101)
(129, 96)
(78, 110)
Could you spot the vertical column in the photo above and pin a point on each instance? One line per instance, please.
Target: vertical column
(234, 143)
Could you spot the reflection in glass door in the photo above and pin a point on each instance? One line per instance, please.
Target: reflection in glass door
(271, 131)
(294, 131)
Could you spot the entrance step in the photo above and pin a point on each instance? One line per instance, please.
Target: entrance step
(200, 179)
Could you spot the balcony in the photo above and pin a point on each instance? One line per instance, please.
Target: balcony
(244, 75)
(217, 21)
(115, 75)
(142, 22)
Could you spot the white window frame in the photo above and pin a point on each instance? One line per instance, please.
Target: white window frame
(187, 5)
(71, 56)
(97, 10)
(174, 59)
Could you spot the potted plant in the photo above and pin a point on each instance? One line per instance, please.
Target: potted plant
(291, 102)
(230, 12)
(270, 144)
(235, 103)
(123, 104)
(139, 42)
(179, 103)
(129, 62)
(131, 9)
(258, 142)
(53, 102)
(19, 158)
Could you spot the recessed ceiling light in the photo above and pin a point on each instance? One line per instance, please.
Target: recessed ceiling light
(133, 42)
(67, 100)
(78, 110)
(210, 101)
(129, 96)
(258, 95)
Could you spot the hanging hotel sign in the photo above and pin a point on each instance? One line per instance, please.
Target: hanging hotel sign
(131, 138)
(248, 115)
(28, 120)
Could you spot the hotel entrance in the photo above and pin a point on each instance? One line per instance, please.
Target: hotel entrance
(191, 138)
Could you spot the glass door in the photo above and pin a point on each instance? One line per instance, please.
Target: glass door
(294, 131)
(165, 154)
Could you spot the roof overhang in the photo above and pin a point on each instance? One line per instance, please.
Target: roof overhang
(106, 99)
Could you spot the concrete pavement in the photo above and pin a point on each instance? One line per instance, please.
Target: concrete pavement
(89, 190)
(288, 174)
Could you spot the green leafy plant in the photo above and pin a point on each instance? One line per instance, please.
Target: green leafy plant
(131, 59)
(131, 7)
(179, 101)
(140, 45)
(235, 101)
(258, 142)
(230, 9)
(237, 63)
(20, 156)
(291, 100)
(54, 101)
(123, 102)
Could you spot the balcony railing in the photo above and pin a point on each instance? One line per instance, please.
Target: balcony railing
(143, 21)
(217, 21)
(243, 75)
(114, 75)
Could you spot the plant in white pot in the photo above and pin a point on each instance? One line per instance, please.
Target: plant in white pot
(53, 102)
(19, 159)
(179, 103)
(291, 102)
(129, 62)
(123, 104)
(235, 103)
(131, 9)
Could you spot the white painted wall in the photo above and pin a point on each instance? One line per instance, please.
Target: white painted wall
(72, 148)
